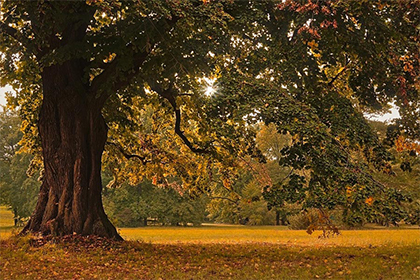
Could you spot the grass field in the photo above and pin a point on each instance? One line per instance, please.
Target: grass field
(270, 234)
(214, 253)
(6, 222)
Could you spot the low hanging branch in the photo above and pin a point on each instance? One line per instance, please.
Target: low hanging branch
(170, 96)
(181, 134)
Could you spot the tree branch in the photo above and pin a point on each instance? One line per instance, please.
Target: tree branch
(124, 79)
(338, 74)
(110, 71)
(129, 156)
(8, 30)
(18, 36)
(185, 94)
(170, 96)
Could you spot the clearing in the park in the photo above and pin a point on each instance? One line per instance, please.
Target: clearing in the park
(214, 252)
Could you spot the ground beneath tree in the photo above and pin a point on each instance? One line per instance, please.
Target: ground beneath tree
(76, 257)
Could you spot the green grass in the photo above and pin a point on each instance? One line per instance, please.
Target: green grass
(216, 253)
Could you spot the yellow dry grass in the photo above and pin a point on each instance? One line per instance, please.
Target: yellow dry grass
(215, 252)
(243, 235)
(6, 222)
(271, 234)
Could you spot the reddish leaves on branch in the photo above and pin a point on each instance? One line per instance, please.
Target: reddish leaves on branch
(314, 8)
(323, 7)
(402, 144)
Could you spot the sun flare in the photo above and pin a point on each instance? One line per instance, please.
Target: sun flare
(210, 87)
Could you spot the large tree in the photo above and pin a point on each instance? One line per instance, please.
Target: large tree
(309, 67)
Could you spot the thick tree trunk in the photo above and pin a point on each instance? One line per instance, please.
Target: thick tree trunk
(73, 135)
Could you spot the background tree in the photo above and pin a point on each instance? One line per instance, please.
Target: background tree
(405, 165)
(132, 206)
(17, 190)
(271, 143)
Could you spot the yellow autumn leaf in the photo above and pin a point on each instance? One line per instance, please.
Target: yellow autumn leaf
(369, 200)
(313, 44)
(348, 190)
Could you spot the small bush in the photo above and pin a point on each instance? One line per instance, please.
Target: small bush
(303, 220)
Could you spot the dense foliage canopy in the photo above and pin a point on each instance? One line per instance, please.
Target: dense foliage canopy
(138, 70)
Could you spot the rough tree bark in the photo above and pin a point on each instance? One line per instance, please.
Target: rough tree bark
(73, 135)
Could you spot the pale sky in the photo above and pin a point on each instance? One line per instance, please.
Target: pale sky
(2, 94)
(386, 117)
